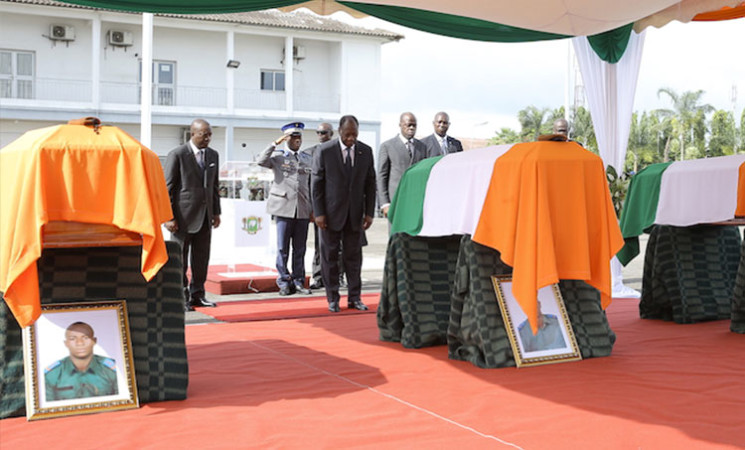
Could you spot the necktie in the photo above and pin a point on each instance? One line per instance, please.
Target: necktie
(408, 148)
(444, 145)
(348, 160)
(200, 158)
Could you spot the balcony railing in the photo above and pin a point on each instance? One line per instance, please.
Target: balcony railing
(54, 89)
(259, 99)
(311, 101)
(112, 92)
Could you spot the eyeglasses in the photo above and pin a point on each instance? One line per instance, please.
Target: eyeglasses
(324, 132)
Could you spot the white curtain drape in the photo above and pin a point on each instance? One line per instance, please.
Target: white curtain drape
(610, 90)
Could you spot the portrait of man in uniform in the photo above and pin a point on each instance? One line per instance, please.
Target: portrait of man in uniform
(547, 337)
(552, 340)
(82, 373)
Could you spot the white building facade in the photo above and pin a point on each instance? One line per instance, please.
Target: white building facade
(60, 62)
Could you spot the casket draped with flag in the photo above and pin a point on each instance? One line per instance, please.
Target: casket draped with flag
(74, 173)
(545, 206)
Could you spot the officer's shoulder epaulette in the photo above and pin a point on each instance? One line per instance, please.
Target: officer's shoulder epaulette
(110, 363)
(52, 366)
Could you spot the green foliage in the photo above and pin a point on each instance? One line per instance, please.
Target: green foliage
(582, 130)
(680, 132)
(687, 119)
(723, 137)
(532, 121)
(618, 185)
(505, 136)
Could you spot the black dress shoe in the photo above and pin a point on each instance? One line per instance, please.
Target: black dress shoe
(202, 302)
(316, 285)
(302, 290)
(285, 291)
(188, 307)
(334, 307)
(358, 305)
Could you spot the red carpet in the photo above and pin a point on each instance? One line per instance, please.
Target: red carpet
(245, 278)
(284, 308)
(327, 382)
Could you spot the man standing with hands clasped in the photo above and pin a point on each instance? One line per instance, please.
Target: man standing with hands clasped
(343, 186)
(192, 180)
(395, 156)
(289, 203)
(325, 132)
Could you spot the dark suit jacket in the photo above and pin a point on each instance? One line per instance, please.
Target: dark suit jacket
(193, 192)
(434, 149)
(393, 160)
(336, 197)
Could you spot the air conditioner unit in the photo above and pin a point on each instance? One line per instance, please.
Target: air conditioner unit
(120, 38)
(298, 52)
(61, 33)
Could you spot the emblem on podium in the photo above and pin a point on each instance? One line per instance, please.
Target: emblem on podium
(251, 224)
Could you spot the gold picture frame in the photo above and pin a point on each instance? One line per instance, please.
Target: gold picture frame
(555, 341)
(78, 360)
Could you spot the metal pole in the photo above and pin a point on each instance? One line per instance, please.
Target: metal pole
(146, 91)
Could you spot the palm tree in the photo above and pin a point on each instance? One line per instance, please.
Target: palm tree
(505, 136)
(684, 117)
(531, 120)
(583, 130)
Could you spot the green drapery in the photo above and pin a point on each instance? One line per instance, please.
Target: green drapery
(640, 208)
(609, 46)
(186, 6)
(406, 211)
(450, 25)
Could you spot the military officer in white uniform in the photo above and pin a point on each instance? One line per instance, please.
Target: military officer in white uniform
(289, 202)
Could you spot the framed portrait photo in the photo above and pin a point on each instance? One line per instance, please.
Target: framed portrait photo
(78, 360)
(553, 342)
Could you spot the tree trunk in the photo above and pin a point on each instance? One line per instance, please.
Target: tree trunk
(666, 152)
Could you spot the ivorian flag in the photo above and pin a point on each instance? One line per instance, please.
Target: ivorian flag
(682, 194)
(75, 173)
(545, 206)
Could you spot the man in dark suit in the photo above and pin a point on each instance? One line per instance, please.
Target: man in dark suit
(192, 171)
(325, 132)
(439, 143)
(395, 156)
(343, 190)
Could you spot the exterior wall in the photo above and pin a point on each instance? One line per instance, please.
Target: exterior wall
(60, 69)
(360, 69)
(339, 75)
(317, 76)
(257, 53)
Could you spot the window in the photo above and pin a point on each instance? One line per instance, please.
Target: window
(272, 80)
(164, 82)
(16, 74)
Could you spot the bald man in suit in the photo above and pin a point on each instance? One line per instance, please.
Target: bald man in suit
(439, 143)
(395, 156)
(343, 190)
(192, 172)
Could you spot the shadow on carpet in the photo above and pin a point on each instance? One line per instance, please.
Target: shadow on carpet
(284, 308)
